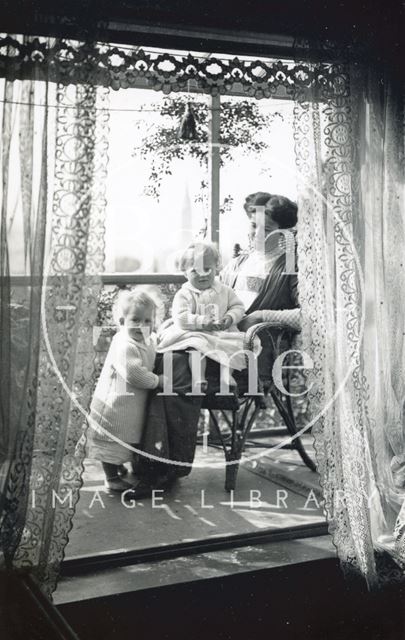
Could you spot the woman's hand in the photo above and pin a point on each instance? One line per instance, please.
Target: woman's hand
(249, 321)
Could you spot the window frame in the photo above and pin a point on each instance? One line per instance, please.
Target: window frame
(79, 565)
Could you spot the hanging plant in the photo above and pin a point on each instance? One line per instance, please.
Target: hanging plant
(187, 129)
(242, 126)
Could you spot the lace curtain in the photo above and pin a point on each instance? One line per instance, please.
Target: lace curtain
(382, 180)
(349, 145)
(53, 164)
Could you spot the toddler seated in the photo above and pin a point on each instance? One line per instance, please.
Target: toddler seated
(205, 313)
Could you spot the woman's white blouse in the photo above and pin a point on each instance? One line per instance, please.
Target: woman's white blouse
(251, 275)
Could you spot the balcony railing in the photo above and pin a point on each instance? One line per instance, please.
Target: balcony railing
(122, 279)
(119, 279)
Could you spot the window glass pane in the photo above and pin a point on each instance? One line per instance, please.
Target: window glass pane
(155, 203)
(261, 159)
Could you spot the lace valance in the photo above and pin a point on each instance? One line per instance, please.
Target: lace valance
(120, 67)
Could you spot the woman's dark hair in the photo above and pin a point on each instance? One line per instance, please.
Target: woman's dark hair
(281, 209)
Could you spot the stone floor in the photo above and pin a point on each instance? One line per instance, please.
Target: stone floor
(274, 490)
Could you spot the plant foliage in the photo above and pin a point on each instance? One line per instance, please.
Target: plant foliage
(242, 127)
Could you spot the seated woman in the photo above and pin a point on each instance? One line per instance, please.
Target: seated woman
(260, 276)
(260, 280)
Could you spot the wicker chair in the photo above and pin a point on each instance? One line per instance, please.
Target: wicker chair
(240, 409)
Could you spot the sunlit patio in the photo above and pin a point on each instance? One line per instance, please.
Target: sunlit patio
(274, 491)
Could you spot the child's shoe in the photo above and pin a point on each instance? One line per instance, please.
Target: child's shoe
(118, 485)
(122, 471)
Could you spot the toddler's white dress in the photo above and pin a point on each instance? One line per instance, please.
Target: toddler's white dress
(184, 331)
(120, 398)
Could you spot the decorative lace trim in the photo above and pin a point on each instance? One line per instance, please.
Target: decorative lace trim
(68, 61)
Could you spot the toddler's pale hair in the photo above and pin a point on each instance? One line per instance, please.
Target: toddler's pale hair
(195, 254)
(127, 299)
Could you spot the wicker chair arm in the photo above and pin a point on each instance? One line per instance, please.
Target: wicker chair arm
(251, 333)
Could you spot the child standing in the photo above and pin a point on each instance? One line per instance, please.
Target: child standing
(205, 313)
(119, 401)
